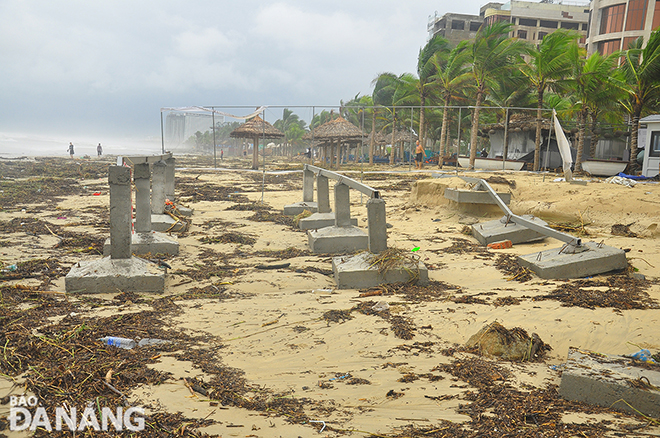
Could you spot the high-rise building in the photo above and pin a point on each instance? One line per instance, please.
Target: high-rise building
(615, 23)
(454, 27)
(532, 21)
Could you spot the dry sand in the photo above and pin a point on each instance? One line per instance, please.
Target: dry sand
(272, 328)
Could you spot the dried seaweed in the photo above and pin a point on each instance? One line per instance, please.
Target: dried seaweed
(230, 237)
(621, 292)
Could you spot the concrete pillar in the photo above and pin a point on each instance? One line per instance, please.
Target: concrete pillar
(142, 179)
(158, 188)
(169, 178)
(119, 179)
(323, 194)
(376, 221)
(342, 205)
(308, 185)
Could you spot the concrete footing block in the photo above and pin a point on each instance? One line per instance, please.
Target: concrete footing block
(498, 230)
(145, 243)
(332, 240)
(185, 211)
(165, 222)
(109, 275)
(321, 220)
(299, 207)
(474, 196)
(358, 272)
(597, 259)
(613, 381)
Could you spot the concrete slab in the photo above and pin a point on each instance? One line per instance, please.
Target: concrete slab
(185, 211)
(165, 222)
(145, 243)
(597, 259)
(320, 220)
(357, 272)
(332, 240)
(112, 275)
(500, 229)
(613, 381)
(474, 196)
(299, 207)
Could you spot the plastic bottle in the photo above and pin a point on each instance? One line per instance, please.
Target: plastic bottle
(119, 342)
(151, 341)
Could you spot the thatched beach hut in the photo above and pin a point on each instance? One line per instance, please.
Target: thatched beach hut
(335, 132)
(254, 129)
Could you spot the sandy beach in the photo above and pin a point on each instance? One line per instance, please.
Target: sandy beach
(283, 353)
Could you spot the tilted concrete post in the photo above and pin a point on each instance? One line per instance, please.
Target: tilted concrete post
(376, 221)
(323, 194)
(308, 185)
(142, 179)
(169, 178)
(119, 179)
(158, 188)
(342, 205)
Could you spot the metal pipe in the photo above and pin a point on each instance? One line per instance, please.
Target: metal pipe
(505, 149)
(547, 231)
(162, 137)
(215, 164)
(363, 188)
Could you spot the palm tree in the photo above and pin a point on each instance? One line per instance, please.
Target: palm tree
(587, 77)
(546, 66)
(391, 91)
(384, 89)
(358, 111)
(437, 46)
(450, 76)
(493, 54)
(641, 70)
(513, 92)
(291, 125)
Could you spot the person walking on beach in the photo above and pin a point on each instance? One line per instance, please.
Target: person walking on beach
(99, 150)
(71, 150)
(419, 156)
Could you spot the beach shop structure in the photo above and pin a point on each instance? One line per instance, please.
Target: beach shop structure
(651, 165)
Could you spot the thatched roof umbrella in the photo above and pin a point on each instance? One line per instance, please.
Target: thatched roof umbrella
(256, 128)
(338, 130)
(406, 136)
(400, 136)
(379, 138)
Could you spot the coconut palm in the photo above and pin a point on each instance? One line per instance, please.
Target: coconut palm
(436, 47)
(547, 65)
(384, 89)
(641, 70)
(291, 125)
(450, 77)
(492, 55)
(394, 91)
(358, 111)
(588, 76)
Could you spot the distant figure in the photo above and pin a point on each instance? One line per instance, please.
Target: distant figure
(419, 156)
(308, 153)
(222, 152)
(71, 149)
(99, 150)
(484, 153)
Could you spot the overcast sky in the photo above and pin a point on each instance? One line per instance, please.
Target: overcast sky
(81, 67)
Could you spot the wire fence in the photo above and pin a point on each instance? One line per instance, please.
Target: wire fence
(389, 133)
